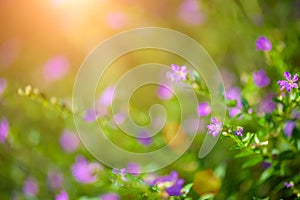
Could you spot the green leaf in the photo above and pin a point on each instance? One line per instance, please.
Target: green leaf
(207, 197)
(265, 175)
(245, 103)
(186, 189)
(256, 198)
(254, 160)
(244, 154)
(286, 155)
(231, 103)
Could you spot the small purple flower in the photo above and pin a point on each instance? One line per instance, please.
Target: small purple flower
(110, 196)
(145, 138)
(260, 78)
(204, 109)
(4, 126)
(178, 73)
(54, 180)
(106, 97)
(121, 173)
(69, 141)
(62, 196)
(133, 168)
(289, 83)
(234, 93)
(215, 127)
(30, 187)
(263, 44)
(289, 184)
(289, 128)
(239, 131)
(85, 172)
(56, 68)
(171, 184)
(267, 105)
(265, 165)
(164, 92)
(90, 115)
(3, 84)
(189, 12)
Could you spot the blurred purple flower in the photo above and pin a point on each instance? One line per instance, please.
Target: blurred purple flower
(289, 128)
(9, 51)
(178, 73)
(116, 20)
(265, 165)
(234, 93)
(234, 111)
(170, 183)
(289, 83)
(110, 196)
(62, 196)
(106, 97)
(121, 173)
(133, 168)
(69, 141)
(4, 126)
(3, 84)
(120, 118)
(215, 127)
(91, 115)
(204, 109)
(239, 131)
(85, 172)
(30, 187)
(164, 92)
(189, 12)
(260, 78)
(289, 184)
(56, 68)
(267, 105)
(263, 44)
(145, 138)
(54, 179)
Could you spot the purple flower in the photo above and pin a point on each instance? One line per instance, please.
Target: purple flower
(30, 187)
(164, 92)
(204, 109)
(260, 78)
(69, 141)
(4, 126)
(267, 105)
(85, 172)
(215, 127)
(234, 94)
(263, 44)
(289, 184)
(289, 83)
(171, 184)
(55, 179)
(3, 84)
(120, 118)
(265, 165)
(121, 173)
(288, 128)
(62, 196)
(110, 196)
(145, 138)
(189, 12)
(133, 168)
(56, 68)
(106, 97)
(90, 115)
(178, 73)
(239, 131)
